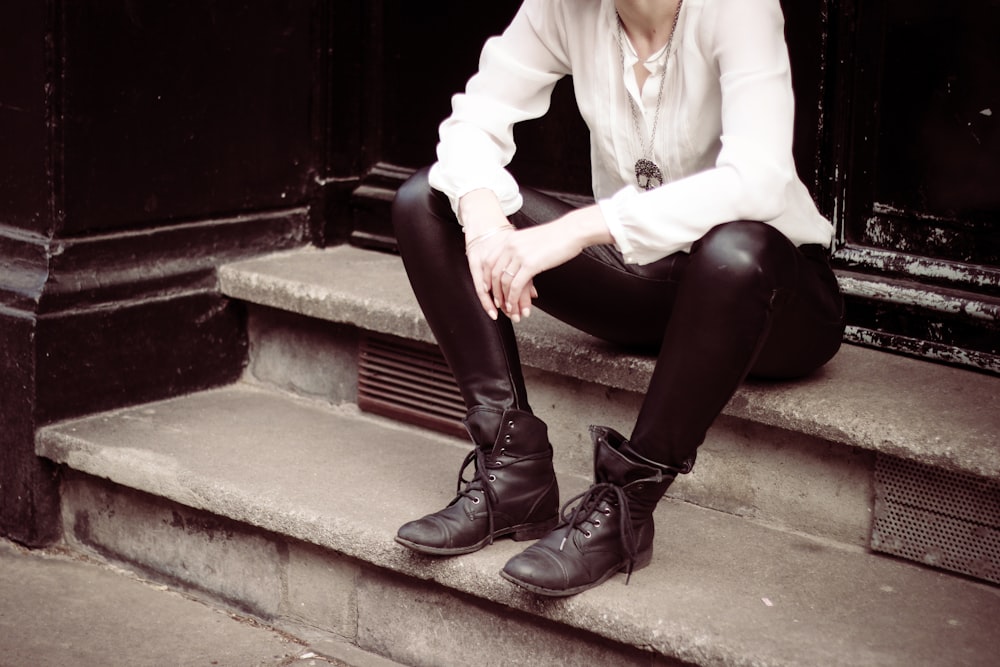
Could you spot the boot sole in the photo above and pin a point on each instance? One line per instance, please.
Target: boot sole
(530, 531)
(641, 561)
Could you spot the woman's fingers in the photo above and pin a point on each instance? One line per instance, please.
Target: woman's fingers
(484, 258)
(523, 307)
(501, 276)
(504, 267)
(516, 291)
(481, 286)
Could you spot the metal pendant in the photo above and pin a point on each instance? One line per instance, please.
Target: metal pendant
(647, 174)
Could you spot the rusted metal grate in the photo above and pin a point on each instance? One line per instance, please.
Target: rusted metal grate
(409, 381)
(937, 517)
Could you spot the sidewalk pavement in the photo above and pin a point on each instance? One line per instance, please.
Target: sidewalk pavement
(62, 610)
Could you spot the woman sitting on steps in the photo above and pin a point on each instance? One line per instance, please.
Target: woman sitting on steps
(703, 244)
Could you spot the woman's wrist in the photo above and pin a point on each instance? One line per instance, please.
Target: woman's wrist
(473, 240)
(479, 212)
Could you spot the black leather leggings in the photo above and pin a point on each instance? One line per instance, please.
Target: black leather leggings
(744, 301)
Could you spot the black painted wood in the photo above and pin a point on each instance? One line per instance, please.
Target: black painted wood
(145, 144)
(25, 199)
(29, 501)
(183, 110)
(915, 160)
(103, 358)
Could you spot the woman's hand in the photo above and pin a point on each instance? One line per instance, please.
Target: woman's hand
(522, 255)
(482, 251)
(486, 227)
(504, 261)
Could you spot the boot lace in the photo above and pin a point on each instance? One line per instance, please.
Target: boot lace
(478, 482)
(482, 482)
(599, 499)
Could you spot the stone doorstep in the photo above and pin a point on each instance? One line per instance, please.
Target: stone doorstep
(868, 399)
(720, 591)
(769, 474)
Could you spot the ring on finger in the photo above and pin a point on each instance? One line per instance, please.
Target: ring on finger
(508, 273)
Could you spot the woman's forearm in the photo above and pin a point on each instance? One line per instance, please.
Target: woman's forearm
(586, 225)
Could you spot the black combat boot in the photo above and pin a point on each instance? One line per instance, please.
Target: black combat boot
(609, 530)
(513, 489)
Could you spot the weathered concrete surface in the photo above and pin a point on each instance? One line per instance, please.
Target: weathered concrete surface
(322, 590)
(197, 552)
(721, 590)
(418, 624)
(329, 596)
(304, 356)
(864, 398)
(57, 610)
(790, 479)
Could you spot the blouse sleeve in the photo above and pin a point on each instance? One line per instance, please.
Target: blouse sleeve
(517, 72)
(754, 170)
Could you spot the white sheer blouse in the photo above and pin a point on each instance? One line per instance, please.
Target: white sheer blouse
(724, 136)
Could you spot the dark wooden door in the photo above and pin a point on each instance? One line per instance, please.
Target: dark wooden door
(895, 135)
(916, 173)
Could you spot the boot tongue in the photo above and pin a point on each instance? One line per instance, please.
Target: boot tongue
(483, 425)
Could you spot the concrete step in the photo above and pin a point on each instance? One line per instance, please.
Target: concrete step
(287, 508)
(800, 455)
(58, 608)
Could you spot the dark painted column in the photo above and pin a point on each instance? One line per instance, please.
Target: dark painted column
(143, 143)
(28, 500)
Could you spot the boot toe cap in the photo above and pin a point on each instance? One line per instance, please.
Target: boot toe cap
(425, 532)
(537, 569)
(444, 534)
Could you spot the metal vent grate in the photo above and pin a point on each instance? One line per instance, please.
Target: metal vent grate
(409, 381)
(945, 519)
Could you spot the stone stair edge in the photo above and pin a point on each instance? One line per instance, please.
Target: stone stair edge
(144, 469)
(99, 445)
(937, 415)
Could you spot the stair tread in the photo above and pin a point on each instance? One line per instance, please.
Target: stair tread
(720, 590)
(910, 408)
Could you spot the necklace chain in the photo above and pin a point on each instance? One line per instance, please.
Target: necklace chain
(647, 174)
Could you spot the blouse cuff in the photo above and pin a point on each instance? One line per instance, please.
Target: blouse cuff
(610, 210)
(503, 186)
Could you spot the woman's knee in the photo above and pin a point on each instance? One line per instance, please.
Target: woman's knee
(745, 250)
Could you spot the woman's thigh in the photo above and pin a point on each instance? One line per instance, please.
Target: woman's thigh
(597, 292)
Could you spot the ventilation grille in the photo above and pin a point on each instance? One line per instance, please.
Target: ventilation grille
(410, 382)
(937, 517)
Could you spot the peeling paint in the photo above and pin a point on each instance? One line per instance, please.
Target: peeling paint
(892, 292)
(919, 348)
(894, 261)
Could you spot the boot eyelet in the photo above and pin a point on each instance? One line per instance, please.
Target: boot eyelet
(475, 500)
(506, 438)
(588, 534)
(492, 478)
(597, 523)
(606, 511)
(510, 423)
(502, 450)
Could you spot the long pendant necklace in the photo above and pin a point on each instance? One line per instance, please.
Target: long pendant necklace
(647, 174)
